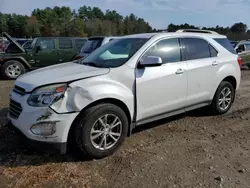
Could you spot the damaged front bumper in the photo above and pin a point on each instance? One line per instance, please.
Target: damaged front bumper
(45, 146)
(42, 126)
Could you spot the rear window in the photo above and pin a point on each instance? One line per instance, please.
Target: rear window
(79, 43)
(91, 45)
(226, 44)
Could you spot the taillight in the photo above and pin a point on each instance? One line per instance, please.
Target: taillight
(78, 57)
(239, 61)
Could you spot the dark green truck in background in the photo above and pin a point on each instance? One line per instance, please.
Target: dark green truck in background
(44, 51)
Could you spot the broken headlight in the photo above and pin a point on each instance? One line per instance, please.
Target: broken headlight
(47, 95)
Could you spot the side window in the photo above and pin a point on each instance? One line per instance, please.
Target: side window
(79, 43)
(65, 44)
(241, 47)
(213, 51)
(196, 48)
(226, 44)
(47, 44)
(247, 47)
(168, 49)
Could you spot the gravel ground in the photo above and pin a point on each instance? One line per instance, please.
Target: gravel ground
(190, 150)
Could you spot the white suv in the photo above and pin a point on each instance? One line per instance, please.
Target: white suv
(96, 102)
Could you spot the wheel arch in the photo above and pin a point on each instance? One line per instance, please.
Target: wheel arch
(113, 101)
(231, 79)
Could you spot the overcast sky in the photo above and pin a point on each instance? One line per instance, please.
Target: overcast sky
(159, 13)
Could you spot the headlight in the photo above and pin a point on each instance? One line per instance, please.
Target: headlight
(45, 96)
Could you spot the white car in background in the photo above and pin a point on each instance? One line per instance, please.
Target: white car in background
(92, 44)
(96, 102)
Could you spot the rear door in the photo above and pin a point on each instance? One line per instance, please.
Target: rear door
(202, 62)
(47, 55)
(66, 51)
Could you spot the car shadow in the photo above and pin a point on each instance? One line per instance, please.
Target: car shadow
(14, 150)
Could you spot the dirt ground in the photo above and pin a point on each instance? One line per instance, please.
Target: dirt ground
(190, 150)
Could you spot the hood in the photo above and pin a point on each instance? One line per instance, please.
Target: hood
(13, 42)
(61, 73)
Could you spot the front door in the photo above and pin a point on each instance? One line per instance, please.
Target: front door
(47, 54)
(162, 89)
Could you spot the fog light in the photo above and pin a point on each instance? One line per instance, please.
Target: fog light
(44, 128)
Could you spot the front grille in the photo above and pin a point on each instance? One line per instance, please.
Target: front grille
(15, 109)
(19, 90)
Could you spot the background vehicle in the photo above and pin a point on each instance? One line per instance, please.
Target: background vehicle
(22, 41)
(243, 50)
(234, 43)
(3, 44)
(44, 51)
(95, 102)
(92, 44)
(27, 44)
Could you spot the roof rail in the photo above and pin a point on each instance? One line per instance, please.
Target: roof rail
(197, 31)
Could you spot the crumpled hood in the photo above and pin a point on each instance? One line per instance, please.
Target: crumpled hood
(64, 72)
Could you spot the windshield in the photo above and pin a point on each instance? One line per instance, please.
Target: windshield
(33, 43)
(27, 45)
(115, 53)
(91, 45)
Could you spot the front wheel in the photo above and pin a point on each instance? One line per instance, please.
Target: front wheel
(223, 98)
(101, 130)
(12, 69)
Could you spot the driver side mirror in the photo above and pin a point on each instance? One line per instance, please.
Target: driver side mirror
(150, 61)
(38, 48)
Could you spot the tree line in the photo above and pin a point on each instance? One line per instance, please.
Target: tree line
(92, 21)
(62, 21)
(237, 31)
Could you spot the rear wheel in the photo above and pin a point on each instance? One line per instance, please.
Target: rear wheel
(12, 69)
(101, 130)
(223, 98)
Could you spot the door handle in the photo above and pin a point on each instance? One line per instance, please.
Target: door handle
(215, 63)
(180, 71)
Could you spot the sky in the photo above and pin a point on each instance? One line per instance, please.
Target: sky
(159, 13)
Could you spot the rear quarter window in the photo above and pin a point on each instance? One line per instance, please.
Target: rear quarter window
(226, 44)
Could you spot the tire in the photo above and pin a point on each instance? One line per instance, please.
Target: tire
(89, 120)
(221, 105)
(12, 69)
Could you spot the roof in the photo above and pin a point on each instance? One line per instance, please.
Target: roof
(176, 34)
(93, 37)
(244, 42)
